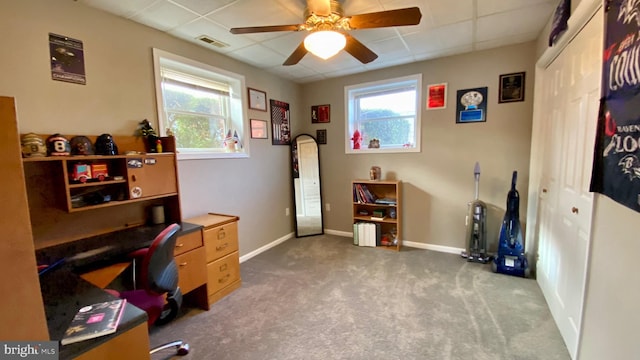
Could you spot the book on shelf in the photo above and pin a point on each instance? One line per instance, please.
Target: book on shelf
(361, 194)
(378, 218)
(386, 201)
(94, 321)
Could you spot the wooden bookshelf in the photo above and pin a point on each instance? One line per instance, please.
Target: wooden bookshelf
(372, 197)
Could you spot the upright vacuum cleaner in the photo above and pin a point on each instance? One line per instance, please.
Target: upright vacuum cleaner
(511, 259)
(476, 226)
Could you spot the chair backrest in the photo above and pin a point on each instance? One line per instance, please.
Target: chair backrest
(159, 272)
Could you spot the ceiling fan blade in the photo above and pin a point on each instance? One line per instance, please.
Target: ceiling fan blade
(319, 7)
(358, 50)
(260, 29)
(399, 17)
(296, 56)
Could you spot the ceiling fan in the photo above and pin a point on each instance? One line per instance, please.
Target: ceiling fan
(325, 18)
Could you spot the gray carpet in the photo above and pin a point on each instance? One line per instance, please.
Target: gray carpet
(323, 298)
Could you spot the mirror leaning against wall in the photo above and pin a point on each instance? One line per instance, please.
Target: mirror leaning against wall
(307, 196)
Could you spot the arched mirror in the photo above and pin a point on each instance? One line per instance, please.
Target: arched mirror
(306, 186)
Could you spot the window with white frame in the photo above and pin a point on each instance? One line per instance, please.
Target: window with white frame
(384, 116)
(202, 106)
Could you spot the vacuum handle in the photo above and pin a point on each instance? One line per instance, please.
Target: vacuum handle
(514, 179)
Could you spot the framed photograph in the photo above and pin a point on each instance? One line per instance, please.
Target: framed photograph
(511, 87)
(280, 123)
(471, 105)
(67, 59)
(437, 96)
(320, 114)
(257, 100)
(321, 136)
(259, 129)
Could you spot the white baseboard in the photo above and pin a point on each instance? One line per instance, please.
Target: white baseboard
(440, 248)
(277, 242)
(338, 233)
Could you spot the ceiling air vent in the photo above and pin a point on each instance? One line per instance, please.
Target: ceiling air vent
(210, 41)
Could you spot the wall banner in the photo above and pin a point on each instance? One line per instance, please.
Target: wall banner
(616, 161)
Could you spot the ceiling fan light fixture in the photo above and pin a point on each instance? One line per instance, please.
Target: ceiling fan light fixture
(325, 43)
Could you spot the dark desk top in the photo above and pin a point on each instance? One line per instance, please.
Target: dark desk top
(64, 292)
(98, 251)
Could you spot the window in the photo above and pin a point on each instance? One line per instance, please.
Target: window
(384, 116)
(202, 105)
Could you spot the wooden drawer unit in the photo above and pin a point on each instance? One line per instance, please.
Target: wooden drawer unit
(191, 269)
(221, 240)
(223, 272)
(188, 242)
(220, 237)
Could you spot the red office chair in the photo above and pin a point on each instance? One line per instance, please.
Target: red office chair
(157, 276)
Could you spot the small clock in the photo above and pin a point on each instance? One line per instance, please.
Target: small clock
(257, 100)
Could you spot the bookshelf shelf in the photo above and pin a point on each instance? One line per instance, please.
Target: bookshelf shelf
(378, 203)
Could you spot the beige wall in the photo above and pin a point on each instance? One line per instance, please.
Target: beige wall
(120, 92)
(438, 181)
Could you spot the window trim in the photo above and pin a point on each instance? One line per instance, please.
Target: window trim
(418, 124)
(241, 97)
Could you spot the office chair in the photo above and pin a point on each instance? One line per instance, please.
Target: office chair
(157, 276)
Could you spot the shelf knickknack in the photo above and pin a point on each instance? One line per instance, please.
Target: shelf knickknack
(146, 131)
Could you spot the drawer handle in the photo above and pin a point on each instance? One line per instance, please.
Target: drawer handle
(223, 279)
(183, 264)
(221, 234)
(222, 247)
(223, 267)
(179, 245)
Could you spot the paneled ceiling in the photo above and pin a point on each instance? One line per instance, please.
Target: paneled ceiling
(448, 27)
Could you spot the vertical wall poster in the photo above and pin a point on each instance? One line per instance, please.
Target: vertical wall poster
(67, 59)
(280, 125)
(616, 160)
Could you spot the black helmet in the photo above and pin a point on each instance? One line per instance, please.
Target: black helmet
(81, 145)
(105, 145)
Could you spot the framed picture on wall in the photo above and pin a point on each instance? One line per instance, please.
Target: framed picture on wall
(320, 114)
(259, 129)
(471, 105)
(280, 123)
(257, 100)
(511, 87)
(321, 136)
(437, 96)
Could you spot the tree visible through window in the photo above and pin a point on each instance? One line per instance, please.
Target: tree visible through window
(201, 106)
(384, 116)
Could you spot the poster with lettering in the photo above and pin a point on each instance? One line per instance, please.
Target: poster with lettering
(616, 164)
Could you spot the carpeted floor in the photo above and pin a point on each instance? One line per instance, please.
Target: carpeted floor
(323, 298)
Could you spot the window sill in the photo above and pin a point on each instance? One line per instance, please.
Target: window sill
(211, 155)
(382, 151)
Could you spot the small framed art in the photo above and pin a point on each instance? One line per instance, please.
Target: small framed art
(511, 87)
(321, 136)
(257, 100)
(259, 129)
(437, 96)
(471, 105)
(320, 114)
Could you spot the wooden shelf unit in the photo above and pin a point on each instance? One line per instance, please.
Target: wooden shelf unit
(387, 189)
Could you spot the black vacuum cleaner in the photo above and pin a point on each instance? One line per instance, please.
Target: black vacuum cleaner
(476, 226)
(511, 259)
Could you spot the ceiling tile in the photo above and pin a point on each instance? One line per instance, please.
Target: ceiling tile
(121, 8)
(499, 25)
(164, 16)
(488, 7)
(257, 55)
(203, 26)
(202, 7)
